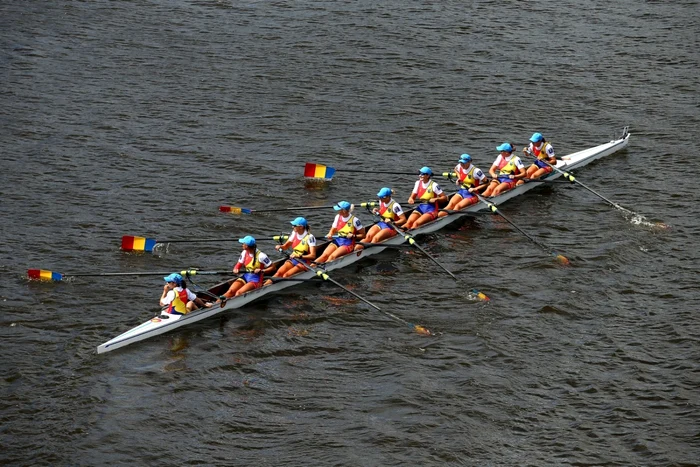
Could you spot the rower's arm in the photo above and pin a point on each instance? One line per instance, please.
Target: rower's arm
(400, 221)
(311, 255)
(360, 234)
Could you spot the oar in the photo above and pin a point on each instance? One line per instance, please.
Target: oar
(572, 179)
(132, 243)
(561, 258)
(320, 171)
(413, 242)
(238, 210)
(419, 329)
(550, 182)
(44, 275)
(369, 245)
(323, 275)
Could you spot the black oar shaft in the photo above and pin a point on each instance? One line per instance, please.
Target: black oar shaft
(374, 172)
(196, 240)
(326, 277)
(412, 241)
(495, 210)
(572, 179)
(291, 209)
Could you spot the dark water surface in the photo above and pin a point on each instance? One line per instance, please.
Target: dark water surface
(141, 118)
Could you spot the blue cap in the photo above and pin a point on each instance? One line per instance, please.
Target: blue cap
(384, 192)
(247, 240)
(342, 205)
(465, 158)
(426, 170)
(536, 137)
(505, 147)
(174, 277)
(299, 221)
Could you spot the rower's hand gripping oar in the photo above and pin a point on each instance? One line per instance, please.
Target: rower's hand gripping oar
(561, 258)
(572, 179)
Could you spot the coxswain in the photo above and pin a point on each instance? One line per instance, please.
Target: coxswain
(430, 195)
(510, 171)
(344, 232)
(389, 211)
(470, 180)
(178, 298)
(543, 151)
(303, 246)
(255, 263)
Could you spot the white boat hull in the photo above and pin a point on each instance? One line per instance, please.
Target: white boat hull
(157, 326)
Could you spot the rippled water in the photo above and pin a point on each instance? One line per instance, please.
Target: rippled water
(141, 118)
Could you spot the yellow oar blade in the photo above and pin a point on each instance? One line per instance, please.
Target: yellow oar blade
(422, 330)
(480, 295)
(563, 260)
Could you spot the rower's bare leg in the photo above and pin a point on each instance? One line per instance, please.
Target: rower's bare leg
(340, 251)
(539, 173)
(369, 237)
(246, 288)
(411, 219)
(383, 235)
(492, 186)
(295, 270)
(501, 188)
(326, 254)
(424, 219)
(466, 202)
(280, 272)
(454, 201)
(531, 170)
(237, 284)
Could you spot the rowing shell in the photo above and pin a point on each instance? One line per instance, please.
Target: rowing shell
(156, 326)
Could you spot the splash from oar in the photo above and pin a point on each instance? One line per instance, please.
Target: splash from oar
(636, 218)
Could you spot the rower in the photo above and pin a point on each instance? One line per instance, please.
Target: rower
(430, 195)
(255, 263)
(303, 246)
(470, 179)
(543, 151)
(511, 170)
(388, 210)
(178, 298)
(346, 229)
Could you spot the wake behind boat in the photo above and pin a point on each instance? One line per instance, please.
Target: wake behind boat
(157, 325)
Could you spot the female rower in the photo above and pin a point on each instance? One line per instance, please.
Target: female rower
(178, 298)
(429, 193)
(511, 170)
(348, 229)
(303, 246)
(470, 179)
(543, 151)
(255, 263)
(388, 210)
